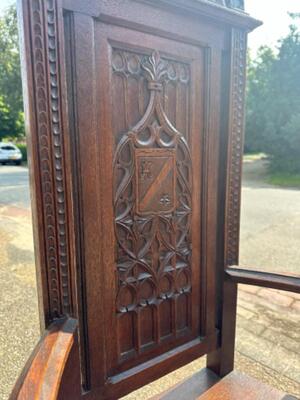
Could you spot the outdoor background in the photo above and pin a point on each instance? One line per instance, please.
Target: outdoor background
(268, 334)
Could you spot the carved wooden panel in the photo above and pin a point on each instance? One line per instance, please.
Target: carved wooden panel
(125, 101)
(152, 201)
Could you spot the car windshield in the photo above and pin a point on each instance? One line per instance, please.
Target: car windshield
(7, 148)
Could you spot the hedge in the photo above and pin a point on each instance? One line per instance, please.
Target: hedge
(23, 148)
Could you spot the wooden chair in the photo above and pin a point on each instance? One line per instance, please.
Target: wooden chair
(134, 113)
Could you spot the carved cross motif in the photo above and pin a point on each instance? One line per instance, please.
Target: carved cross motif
(165, 200)
(146, 170)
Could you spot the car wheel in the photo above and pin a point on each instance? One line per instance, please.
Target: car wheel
(18, 162)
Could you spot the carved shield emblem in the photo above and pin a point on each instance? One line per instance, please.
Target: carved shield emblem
(155, 181)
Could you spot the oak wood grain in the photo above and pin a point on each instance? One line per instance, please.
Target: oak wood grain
(45, 372)
(190, 388)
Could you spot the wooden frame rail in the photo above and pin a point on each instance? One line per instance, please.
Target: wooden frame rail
(264, 279)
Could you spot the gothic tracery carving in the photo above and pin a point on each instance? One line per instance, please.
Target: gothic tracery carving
(152, 197)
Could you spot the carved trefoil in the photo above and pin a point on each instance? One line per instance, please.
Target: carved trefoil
(153, 208)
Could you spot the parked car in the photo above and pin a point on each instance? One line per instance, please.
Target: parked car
(9, 153)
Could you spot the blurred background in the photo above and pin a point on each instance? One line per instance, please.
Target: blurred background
(268, 337)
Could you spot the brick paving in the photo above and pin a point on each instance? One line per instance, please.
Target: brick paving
(268, 331)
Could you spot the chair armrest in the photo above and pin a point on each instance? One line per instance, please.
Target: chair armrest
(264, 279)
(44, 374)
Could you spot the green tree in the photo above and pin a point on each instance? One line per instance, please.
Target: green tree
(283, 128)
(11, 102)
(258, 88)
(273, 103)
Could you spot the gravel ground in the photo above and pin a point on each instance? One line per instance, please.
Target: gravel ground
(19, 328)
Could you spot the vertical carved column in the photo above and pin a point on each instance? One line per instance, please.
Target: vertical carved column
(236, 135)
(221, 361)
(48, 152)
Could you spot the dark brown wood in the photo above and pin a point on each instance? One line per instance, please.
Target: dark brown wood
(236, 386)
(149, 371)
(264, 279)
(205, 385)
(190, 388)
(120, 10)
(51, 367)
(135, 133)
(144, 327)
(51, 190)
(221, 361)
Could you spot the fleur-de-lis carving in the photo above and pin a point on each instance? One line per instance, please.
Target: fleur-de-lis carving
(155, 67)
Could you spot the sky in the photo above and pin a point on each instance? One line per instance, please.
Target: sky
(272, 12)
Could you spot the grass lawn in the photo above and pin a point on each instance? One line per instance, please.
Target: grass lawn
(284, 180)
(274, 178)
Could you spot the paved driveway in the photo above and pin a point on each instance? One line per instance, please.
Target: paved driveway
(19, 326)
(268, 334)
(270, 223)
(14, 186)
